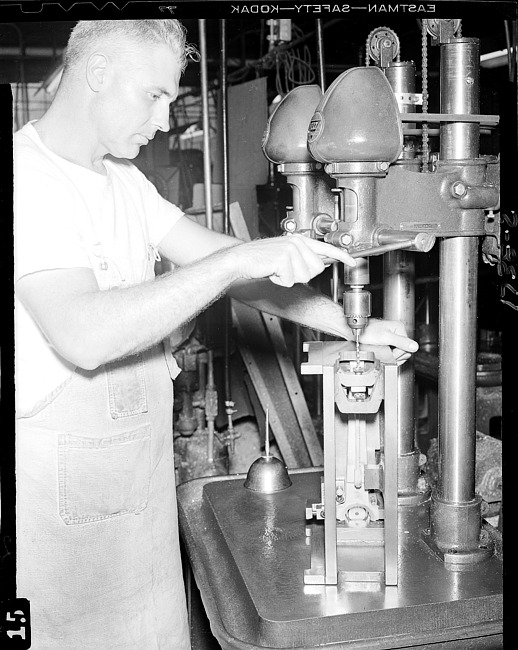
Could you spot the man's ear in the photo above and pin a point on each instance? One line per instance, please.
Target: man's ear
(96, 71)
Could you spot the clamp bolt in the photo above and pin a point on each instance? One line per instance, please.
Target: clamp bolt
(289, 225)
(458, 189)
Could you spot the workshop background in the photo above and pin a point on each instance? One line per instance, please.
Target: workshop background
(241, 389)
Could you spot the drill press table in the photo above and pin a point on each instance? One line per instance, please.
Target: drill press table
(248, 553)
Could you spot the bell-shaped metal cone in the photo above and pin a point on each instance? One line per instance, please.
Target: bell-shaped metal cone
(267, 474)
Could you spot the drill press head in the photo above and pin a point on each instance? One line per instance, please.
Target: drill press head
(285, 137)
(285, 145)
(357, 120)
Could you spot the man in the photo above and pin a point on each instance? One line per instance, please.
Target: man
(97, 550)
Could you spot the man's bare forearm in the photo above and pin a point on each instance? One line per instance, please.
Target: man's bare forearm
(100, 326)
(175, 298)
(300, 304)
(89, 327)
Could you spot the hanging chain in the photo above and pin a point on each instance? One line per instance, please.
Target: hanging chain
(424, 88)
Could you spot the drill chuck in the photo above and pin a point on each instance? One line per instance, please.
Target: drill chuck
(357, 307)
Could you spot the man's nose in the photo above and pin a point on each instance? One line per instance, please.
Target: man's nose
(161, 115)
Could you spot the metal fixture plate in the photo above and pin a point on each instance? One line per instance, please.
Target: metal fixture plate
(248, 553)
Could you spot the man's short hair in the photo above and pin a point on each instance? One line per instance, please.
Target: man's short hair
(149, 32)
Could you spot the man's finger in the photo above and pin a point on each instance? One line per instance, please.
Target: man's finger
(329, 253)
(403, 343)
(338, 255)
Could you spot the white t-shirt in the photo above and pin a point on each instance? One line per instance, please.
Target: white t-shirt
(65, 216)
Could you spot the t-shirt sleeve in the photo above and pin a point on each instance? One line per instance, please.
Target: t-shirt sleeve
(161, 214)
(46, 232)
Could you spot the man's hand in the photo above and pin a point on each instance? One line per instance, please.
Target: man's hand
(390, 332)
(286, 260)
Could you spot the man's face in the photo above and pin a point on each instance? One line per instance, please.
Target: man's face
(134, 103)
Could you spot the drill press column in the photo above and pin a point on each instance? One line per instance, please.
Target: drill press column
(399, 299)
(455, 509)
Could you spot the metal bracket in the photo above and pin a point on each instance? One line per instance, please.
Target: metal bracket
(339, 552)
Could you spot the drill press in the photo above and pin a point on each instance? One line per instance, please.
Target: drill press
(383, 574)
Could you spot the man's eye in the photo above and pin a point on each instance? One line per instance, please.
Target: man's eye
(154, 97)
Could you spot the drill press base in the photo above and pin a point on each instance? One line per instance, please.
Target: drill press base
(248, 552)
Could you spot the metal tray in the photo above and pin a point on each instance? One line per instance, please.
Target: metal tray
(248, 552)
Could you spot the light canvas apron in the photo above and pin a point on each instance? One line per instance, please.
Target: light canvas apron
(97, 535)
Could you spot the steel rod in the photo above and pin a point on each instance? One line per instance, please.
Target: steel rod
(224, 125)
(226, 193)
(320, 54)
(486, 120)
(207, 180)
(207, 171)
(319, 402)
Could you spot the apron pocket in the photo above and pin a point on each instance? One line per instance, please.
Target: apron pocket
(101, 478)
(126, 387)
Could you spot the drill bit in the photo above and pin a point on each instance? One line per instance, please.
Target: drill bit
(357, 336)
